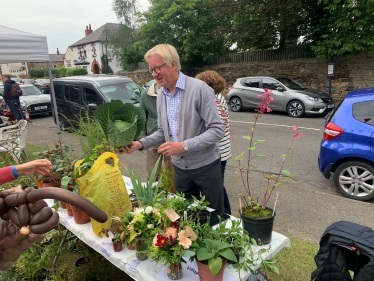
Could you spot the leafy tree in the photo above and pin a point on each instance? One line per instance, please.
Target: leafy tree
(54, 72)
(344, 27)
(185, 24)
(105, 68)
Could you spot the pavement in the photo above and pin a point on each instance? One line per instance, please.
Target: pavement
(302, 210)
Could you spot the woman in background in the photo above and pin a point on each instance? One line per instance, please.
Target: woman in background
(218, 84)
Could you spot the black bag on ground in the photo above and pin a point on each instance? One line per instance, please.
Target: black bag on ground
(345, 246)
(16, 91)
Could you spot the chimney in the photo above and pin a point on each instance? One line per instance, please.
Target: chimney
(88, 30)
(58, 52)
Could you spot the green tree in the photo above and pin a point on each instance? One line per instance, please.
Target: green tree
(344, 27)
(185, 24)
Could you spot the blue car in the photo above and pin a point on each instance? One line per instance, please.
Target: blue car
(347, 148)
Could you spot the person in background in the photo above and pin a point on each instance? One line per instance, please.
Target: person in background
(13, 102)
(189, 128)
(218, 84)
(148, 101)
(39, 166)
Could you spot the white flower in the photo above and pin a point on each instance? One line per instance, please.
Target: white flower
(138, 211)
(150, 226)
(148, 210)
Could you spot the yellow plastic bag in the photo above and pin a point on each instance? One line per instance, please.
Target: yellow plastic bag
(104, 186)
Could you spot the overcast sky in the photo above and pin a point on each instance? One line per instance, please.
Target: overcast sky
(62, 21)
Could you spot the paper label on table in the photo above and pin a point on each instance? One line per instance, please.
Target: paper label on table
(133, 264)
(107, 249)
(172, 215)
(190, 273)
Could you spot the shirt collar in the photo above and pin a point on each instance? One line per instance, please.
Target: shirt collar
(181, 83)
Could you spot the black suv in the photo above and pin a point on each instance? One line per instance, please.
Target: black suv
(77, 94)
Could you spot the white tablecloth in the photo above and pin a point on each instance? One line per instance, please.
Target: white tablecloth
(148, 270)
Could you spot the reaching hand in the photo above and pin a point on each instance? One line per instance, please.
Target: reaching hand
(171, 148)
(39, 166)
(135, 145)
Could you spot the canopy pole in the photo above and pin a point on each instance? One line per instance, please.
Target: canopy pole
(53, 97)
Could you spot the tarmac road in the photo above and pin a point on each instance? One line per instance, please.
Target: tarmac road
(305, 208)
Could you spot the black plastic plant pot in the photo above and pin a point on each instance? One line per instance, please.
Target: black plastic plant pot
(258, 228)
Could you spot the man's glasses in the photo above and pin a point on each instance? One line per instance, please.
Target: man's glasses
(157, 69)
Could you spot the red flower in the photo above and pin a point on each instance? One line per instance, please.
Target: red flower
(267, 98)
(161, 241)
(175, 224)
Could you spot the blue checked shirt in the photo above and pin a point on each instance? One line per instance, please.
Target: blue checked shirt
(172, 105)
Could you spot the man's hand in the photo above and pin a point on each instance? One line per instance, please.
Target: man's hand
(39, 166)
(171, 148)
(135, 145)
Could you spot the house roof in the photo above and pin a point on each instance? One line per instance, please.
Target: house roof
(97, 35)
(56, 57)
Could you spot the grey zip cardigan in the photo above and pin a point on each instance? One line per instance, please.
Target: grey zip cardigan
(199, 125)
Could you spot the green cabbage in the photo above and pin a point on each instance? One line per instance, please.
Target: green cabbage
(120, 123)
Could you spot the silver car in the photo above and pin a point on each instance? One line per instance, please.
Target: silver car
(33, 99)
(289, 96)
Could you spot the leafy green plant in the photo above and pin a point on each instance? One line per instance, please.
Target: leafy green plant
(256, 206)
(167, 178)
(120, 123)
(117, 238)
(146, 194)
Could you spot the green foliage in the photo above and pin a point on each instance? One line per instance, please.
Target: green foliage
(36, 73)
(62, 71)
(186, 25)
(76, 71)
(344, 27)
(54, 71)
(105, 68)
(116, 238)
(146, 194)
(120, 123)
(130, 56)
(167, 178)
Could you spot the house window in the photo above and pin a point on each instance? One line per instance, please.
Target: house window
(85, 55)
(94, 50)
(68, 63)
(54, 66)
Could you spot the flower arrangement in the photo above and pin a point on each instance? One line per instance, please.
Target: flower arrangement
(141, 222)
(169, 246)
(256, 206)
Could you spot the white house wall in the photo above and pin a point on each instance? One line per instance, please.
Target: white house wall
(13, 68)
(90, 56)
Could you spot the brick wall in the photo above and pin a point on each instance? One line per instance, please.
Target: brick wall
(351, 72)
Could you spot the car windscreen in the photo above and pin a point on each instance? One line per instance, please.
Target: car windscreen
(292, 84)
(30, 91)
(126, 91)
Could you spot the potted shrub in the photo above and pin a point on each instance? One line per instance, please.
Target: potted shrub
(60, 161)
(117, 243)
(257, 217)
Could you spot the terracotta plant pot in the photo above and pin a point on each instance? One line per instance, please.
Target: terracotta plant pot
(69, 210)
(51, 184)
(131, 246)
(62, 205)
(117, 246)
(206, 275)
(80, 217)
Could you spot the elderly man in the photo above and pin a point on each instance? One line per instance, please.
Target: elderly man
(189, 128)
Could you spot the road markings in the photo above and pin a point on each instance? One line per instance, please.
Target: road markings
(276, 125)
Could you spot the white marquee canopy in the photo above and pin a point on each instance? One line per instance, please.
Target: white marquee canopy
(19, 46)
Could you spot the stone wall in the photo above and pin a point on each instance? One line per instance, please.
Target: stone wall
(351, 72)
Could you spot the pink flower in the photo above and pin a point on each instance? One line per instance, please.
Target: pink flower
(171, 231)
(266, 99)
(183, 240)
(297, 135)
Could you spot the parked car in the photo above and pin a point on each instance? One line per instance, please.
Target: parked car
(43, 85)
(18, 80)
(77, 94)
(347, 148)
(289, 96)
(32, 99)
(149, 84)
(28, 81)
